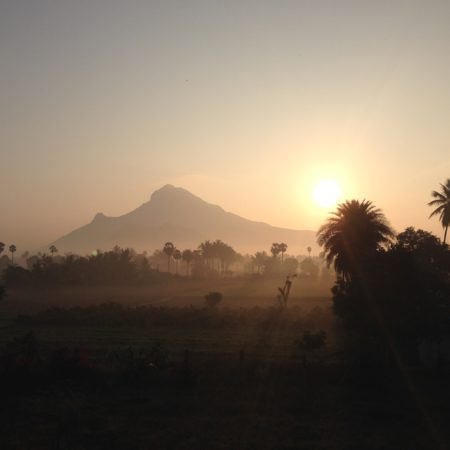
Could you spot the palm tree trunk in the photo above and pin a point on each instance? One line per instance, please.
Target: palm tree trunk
(445, 234)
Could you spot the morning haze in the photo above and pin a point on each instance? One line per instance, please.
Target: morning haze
(225, 224)
(246, 104)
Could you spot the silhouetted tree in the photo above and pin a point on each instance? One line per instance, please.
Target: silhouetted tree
(168, 249)
(353, 234)
(260, 259)
(207, 251)
(12, 249)
(275, 249)
(176, 257)
(282, 247)
(2, 247)
(52, 249)
(442, 203)
(309, 251)
(187, 256)
(425, 248)
(309, 269)
(224, 253)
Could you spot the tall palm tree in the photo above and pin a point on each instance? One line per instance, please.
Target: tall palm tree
(168, 249)
(282, 247)
(309, 251)
(442, 201)
(2, 247)
(187, 256)
(52, 249)
(355, 232)
(12, 249)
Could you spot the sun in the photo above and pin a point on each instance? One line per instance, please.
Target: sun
(326, 193)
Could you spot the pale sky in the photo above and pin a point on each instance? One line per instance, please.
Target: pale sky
(247, 104)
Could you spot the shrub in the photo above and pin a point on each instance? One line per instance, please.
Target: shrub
(213, 298)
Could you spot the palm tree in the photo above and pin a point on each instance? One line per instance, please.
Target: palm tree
(176, 257)
(168, 249)
(275, 249)
(309, 251)
(12, 249)
(442, 201)
(260, 258)
(187, 256)
(282, 247)
(2, 247)
(52, 249)
(354, 233)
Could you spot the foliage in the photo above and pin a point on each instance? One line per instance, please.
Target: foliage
(442, 203)
(113, 267)
(213, 299)
(309, 268)
(354, 233)
(404, 297)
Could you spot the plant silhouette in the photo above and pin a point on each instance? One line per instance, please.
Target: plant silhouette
(168, 249)
(442, 203)
(354, 233)
(12, 249)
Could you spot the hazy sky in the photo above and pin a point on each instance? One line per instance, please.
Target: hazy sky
(245, 103)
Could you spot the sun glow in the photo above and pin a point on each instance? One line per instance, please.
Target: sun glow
(326, 193)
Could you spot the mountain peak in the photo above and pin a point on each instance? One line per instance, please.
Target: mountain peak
(98, 217)
(174, 214)
(171, 192)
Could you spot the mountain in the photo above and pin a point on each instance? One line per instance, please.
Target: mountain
(174, 214)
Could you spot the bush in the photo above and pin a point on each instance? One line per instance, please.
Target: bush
(213, 298)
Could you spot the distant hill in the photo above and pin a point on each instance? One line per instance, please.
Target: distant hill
(174, 214)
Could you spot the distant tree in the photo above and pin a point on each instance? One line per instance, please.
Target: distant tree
(207, 250)
(442, 203)
(354, 233)
(168, 249)
(282, 247)
(275, 249)
(309, 251)
(52, 249)
(290, 265)
(176, 257)
(12, 249)
(260, 259)
(2, 247)
(309, 268)
(224, 253)
(187, 256)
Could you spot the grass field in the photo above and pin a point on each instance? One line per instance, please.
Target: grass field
(159, 370)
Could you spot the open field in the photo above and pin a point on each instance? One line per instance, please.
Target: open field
(158, 369)
(241, 292)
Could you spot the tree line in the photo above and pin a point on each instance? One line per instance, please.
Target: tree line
(119, 266)
(392, 292)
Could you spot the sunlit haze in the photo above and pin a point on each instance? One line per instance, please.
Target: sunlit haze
(247, 104)
(327, 193)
